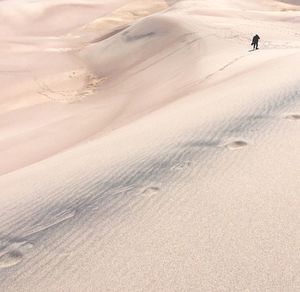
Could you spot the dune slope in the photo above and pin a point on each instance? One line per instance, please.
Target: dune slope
(146, 147)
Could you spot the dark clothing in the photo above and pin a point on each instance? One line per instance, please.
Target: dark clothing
(255, 40)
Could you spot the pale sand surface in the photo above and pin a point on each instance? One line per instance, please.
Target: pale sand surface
(144, 147)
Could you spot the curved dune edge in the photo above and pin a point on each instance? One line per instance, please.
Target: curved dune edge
(121, 18)
(126, 49)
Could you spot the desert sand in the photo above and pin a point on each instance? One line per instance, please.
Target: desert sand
(145, 147)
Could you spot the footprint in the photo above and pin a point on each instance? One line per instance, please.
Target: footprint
(10, 259)
(23, 246)
(12, 252)
(150, 192)
(182, 165)
(236, 145)
(9, 245)
(293, 117)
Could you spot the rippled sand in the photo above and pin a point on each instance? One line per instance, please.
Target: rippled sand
(145, 147)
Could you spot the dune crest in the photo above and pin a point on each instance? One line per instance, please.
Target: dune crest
(133, 45)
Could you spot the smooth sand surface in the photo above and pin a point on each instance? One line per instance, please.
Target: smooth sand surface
(145, 147)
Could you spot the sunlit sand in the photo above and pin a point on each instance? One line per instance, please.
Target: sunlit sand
(145, 146)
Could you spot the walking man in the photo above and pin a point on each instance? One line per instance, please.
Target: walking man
(255, 40)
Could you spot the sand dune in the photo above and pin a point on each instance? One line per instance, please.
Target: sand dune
(297, 2)
(133, 45)
(145, 147)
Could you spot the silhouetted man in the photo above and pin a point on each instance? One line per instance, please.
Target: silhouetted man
(255, 40)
